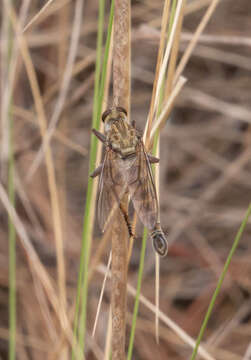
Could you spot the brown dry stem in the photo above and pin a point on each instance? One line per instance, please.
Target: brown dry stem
(119, 283)
(121, 54)
(121, 97)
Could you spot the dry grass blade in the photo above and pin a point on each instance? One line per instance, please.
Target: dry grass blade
(28, 116)
(233, 111)
(232, 40)
(221, 56)
(167, 51)
(101, 295)
(108, 337)
(7, 86)
(64, 87)
(164, 23)
(167, 107)
(195, 38)
(203, 186)
(174, 54)
(157, 278)
(49, 162)
(157, 260)
(247, 354)
(36, 266)
(41, 11)
(5, 95)
(37, 269)
(181, 333)
(196, 5)
(32, 342)
(210, 192)
(166, 320)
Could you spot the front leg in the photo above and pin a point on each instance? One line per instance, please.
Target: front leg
(97, 171)
(99, 135)
(152, 159)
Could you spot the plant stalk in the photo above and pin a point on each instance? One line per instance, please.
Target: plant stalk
(121, 97)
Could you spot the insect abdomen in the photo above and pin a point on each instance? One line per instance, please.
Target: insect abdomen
(159, 242)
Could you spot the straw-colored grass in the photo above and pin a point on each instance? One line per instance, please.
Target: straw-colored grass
(190, 89)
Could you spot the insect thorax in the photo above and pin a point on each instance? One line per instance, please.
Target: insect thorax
(122, 138)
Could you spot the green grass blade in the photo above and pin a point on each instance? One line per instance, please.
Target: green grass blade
(105, 62)
(136, 304)
(82, 289)
(174, 4)
(220, 281)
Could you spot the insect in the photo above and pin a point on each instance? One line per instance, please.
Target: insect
(126, 168)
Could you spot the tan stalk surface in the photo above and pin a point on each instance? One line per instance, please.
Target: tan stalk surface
(121, 97)
(108, 336)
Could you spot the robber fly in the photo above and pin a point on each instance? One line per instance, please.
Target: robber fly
(126, 168)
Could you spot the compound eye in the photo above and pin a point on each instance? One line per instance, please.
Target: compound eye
(105, 114)
(121, 109)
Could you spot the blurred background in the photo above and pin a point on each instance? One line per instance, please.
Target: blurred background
(205, 176)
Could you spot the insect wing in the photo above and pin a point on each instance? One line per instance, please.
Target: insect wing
(142, 189)
(111, 189)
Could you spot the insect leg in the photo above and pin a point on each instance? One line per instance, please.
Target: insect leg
(99, 135)
(152, 159)
(97, 171)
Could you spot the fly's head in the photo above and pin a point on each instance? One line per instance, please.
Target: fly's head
(120, 134)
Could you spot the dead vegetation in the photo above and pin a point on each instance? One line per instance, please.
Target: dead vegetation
(205, 185)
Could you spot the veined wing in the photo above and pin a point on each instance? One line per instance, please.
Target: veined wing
(142, 189)
(110, 190)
